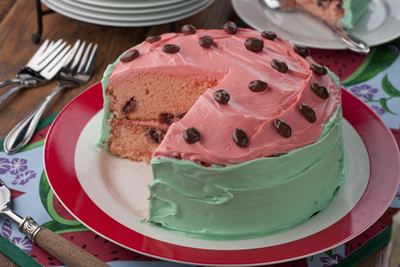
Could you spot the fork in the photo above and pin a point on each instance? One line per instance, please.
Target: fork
(29, 75)
(69, 76)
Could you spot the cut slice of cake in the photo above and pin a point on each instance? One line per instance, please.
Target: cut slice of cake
(341, 13)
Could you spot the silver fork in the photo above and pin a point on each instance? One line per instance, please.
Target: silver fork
(68, 77)
(29, 75)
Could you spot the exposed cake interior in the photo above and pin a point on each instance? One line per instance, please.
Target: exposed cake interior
(146, 104)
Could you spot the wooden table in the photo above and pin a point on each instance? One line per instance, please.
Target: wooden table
(17, 23)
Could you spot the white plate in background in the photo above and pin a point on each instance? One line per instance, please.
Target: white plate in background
(380, 24)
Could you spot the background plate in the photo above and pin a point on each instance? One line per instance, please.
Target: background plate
(380, 24)
(123, 20)
(73, 125)
(115, 10)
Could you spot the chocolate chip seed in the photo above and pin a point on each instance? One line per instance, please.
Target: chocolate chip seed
(240, 137)
(188, 29)
(282, 128)
(156, 136)
(205, 164)
(258, 86)
(301, 50)
(280, 66)
(153, 39)
(318, 69)
(191, 135)
(230, 27)
(166, 118)
(129, 106)
(130, 55)
(170, 48)
(320, 90)
(206, 41)
(270, 35)
(254, 44)
(222, 96)
(307, 112)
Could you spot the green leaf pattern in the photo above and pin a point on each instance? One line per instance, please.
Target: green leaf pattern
(58, 225)
(378, 70)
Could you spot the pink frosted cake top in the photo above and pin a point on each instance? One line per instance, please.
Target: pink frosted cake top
(257, 114)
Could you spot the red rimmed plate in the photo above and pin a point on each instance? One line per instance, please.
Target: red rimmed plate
(379, 181)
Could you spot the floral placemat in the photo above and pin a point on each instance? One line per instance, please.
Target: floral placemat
(373, 78)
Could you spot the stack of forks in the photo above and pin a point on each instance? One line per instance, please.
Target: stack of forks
(51, 60)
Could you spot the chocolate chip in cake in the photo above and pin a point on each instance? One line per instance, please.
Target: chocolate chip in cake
(320, 90)
(240, 137)
(301, 50)
(258, 86)
(205, 164)
(191, 135)
(222, 96)
(270, 35)
(206, 41)
(307, 112)
(129, 55)
(180, 116)
(230, 27)
(130, 106)
(171, 48)
(283, 128)
(280, 66)
(318, 69)
(188, 29)
(254, 44)
(153, 39)
(156, 136)
(166, 118)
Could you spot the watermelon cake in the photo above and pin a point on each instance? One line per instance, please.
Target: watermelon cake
(243, 130)
(341, 13)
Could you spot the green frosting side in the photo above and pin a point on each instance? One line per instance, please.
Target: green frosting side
(251, 199)
(107, 116)
(353, 11)
(333, 76)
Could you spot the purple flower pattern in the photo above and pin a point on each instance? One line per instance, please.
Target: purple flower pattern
(23, 178)
(4, 165)
(331, 261)
(6, 229)
(18, 165)
(378, 110)
(23, 243)
(364, 91)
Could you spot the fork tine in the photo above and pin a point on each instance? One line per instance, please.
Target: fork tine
(71, 55)
(56, 64)
(78, 55)
(84, 59)
(40, 51)
(46, 61)
(90, 64)
(37, 62)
